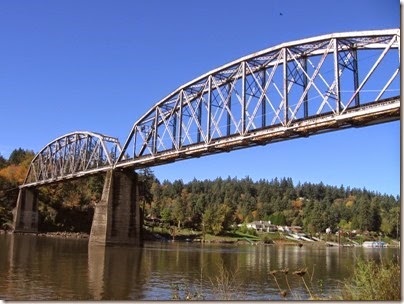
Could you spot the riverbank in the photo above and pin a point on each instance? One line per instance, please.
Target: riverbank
(161, 237)
(230, 239)
(55, 234)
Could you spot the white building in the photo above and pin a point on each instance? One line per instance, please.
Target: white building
(264, 226)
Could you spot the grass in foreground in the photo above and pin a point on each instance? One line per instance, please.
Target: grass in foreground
(371, 281)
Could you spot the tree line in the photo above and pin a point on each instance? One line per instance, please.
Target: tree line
(212, 206)
(221, 204)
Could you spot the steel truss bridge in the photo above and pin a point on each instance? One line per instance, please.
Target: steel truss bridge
(291, 90)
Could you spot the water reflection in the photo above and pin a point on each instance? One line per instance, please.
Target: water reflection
(96, 262)
(115, 272)
(41, 268)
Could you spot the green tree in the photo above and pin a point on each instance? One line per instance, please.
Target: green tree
(17, 156)
(216, 218)
(390, 224)
(367, 215)
(3, 162)
(278, 218)
(179, 211)
(317, 216)
(166, 214)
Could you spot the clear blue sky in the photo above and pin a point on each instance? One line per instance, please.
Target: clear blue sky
(100, 65)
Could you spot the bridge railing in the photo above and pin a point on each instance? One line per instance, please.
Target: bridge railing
(269, 90)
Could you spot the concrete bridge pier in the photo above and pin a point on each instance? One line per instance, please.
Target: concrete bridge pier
(117, 217)
(25, 214)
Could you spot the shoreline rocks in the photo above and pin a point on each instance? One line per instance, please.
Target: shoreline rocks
(56, 234)
(65, 234)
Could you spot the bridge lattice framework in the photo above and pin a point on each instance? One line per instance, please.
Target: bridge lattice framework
(294, 89)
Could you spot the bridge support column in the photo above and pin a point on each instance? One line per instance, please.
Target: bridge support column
(117, 217)
(25, 214)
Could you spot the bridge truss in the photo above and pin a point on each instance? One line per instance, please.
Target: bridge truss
(291, 90)
(295, 89)
(73, 155)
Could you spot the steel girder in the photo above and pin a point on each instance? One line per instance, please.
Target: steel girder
(290, 90)
(73, 155)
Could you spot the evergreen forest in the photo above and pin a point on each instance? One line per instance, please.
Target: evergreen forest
(214, 206)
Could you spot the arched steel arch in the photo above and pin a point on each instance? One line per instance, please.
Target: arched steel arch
(294, 89)
(73, 155)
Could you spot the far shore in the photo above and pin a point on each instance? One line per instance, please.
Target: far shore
(161, 238)
(82, 235)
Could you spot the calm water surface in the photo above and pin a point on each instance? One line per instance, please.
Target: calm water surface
(44, 268)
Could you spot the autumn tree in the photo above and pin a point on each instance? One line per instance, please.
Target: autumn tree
(216, 219)
(12, 174)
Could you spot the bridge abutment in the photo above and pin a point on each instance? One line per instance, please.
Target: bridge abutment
(117, 217)
(25, 214)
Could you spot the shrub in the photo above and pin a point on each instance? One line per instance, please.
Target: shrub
(373, 281)
(250, 231)
(266, 238)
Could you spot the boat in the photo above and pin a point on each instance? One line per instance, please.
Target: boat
(374, 244)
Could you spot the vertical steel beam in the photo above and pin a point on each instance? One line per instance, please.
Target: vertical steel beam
(229, 109)
(132, 135)
(285, 86)
(243, 97)
(337, 78)
(155, 130)
(209, 111)
(356, 75)
(198, 136)
(173, 144)
(180, 120)
(75, 140)
(305, 83)
(87, 150)
(263, 99)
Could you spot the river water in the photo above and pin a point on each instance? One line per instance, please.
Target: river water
(44, 268)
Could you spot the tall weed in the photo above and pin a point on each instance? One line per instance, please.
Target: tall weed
(373, 281)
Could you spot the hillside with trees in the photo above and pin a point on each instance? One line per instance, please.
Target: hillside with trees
(62, 207)
(221, 204)
(212, 206)
(12, 174)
